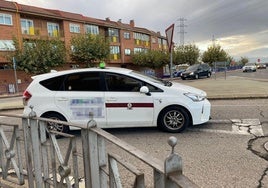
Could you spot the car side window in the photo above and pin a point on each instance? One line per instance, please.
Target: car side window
(118, 82)
(86, 81)
(153, 88)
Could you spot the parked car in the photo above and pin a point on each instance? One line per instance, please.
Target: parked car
(178, 73)
(117, 97)
(179, 69)
(261, 66)
(249, 67)
(197, 71)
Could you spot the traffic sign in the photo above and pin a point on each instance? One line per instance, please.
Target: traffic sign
(169, 34)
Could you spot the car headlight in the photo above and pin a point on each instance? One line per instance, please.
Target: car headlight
(192, 73)
(195, 97)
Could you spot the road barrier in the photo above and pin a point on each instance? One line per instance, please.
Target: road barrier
(33, 156)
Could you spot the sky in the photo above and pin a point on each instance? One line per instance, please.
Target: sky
(240, 27)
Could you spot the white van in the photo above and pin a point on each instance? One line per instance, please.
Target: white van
(117, 97)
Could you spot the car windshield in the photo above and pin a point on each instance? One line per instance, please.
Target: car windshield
(152, 78)
(193, 67)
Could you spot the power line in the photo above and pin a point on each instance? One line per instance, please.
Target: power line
(181, 30)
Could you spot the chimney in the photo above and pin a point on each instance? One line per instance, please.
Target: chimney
(120, 21)
(107, 19)
(132, 23)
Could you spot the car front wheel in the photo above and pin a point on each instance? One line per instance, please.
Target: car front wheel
(174, 119)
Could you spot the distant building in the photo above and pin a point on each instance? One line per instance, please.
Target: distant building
(27, 22)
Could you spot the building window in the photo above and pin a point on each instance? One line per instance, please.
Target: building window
(27, 26)
(5, 19)
(113, 35)
(7, 45)
(137, 50)
(74, 28)
(141, 39)
(127, 51)
(92, 29)
(115, 52)
(159, 43)
(126, 35)
(53, 29)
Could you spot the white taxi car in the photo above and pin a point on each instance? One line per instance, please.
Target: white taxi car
(117, 97)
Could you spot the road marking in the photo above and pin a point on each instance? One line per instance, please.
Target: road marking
(239, 127)
(247, 127)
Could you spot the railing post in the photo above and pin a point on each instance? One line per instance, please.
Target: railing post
(173, 163)
(173, 169)
(28, 151)
(45, 153)
(90, 155)
(34, 129)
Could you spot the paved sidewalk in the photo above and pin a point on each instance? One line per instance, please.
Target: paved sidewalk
(231, 88)
(220, 88)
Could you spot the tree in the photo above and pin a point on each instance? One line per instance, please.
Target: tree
(214, 54)
(89, 48)
(39, 56)
(151, 58)
(186, 54)
(243, 60)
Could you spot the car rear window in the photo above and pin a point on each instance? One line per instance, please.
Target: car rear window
(53, 84)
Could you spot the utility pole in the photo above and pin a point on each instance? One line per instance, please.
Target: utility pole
(181, 30)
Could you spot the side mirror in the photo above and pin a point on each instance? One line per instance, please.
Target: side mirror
(145, 90)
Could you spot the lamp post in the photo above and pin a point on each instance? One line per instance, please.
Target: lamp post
(15, 75)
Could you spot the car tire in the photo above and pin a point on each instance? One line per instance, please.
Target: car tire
(209, 75)
(173, 119)
(54, 126)
(182, 78)
(196, 76)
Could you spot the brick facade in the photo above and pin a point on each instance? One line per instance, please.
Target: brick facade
(40, 18)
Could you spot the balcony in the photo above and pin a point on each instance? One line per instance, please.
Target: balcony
(35, 32)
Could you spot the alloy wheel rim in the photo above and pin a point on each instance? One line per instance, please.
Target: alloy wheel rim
(174, 120)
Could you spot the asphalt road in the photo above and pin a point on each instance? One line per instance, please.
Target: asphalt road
(220, 154)
(214, 154)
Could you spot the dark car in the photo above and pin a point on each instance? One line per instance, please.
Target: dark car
(197, 71)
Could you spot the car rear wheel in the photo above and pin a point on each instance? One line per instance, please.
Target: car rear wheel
(56, 126)
(174, 119)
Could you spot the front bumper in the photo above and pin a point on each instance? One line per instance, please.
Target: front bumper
(202, 113)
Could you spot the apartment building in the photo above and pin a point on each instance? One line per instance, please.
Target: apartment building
(28, 22)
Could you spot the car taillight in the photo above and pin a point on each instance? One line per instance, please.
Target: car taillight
(26, 97)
